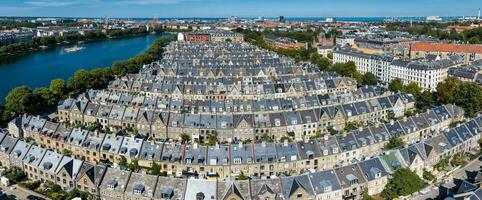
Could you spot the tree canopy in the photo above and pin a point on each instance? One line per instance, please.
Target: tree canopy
(20, 100)
(395, 85)
(404, 182)
(395, 142)
(468, 95)
(369, 79)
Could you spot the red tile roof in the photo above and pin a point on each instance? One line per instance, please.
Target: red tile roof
(453, 48)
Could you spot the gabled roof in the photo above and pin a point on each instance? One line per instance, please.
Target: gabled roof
(233, 189)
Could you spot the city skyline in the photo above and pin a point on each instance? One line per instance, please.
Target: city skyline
(248, 8)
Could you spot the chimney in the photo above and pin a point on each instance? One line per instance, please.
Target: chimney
(285, 142)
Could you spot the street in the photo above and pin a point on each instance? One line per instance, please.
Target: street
(432, 191)
(472, 166)
(15, 192)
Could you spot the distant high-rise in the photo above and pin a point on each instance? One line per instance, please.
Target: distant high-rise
(478, 15)
(282, 19)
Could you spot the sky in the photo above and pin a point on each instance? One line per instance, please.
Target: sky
(240, 8)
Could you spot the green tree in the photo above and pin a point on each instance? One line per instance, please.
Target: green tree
(122, 162)
(16, 174)
(212, 138)
(413, 88)
(44, 98)
(347, 69)
(369, 79)
(457, 160)
(469, 97)
(134, 165)
(20, 100)
(155, 168)
(366, 196)
(404, 182)
(77, 193)
(321, 62)
(426, 100)
(185, 138)
(428, 175)
(242, 177)
(395, 85)
(445, 90)
(442, 164)
(79, 82)
(58, 88)
(395, 142)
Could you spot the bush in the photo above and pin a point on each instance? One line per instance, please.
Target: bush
(242, 177)
(404, 182)
(30, 185)
(442, 164)
(16, 174)
(395, 142)
(457, 160)
(428, 176)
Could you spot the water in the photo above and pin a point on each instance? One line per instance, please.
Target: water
(38, 69)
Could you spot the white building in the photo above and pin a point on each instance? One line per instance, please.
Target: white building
(324, 50)
(345, 40)
(426, 73)
(379, 65)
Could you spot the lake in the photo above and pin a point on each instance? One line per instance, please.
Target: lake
(39, 68)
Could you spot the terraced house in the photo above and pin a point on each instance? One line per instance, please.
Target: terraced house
(269, 159)
(232, 90)
(280, 122)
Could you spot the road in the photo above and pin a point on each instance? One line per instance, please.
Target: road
(432, 191)
(474, 165)
(15, 192)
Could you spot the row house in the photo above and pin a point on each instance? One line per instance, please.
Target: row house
(348, 181)
(265, 159)
(298, 124)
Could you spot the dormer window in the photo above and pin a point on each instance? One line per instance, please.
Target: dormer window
(138, 189)
(112, 184)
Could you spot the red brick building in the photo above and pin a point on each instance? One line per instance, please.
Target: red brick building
(469, 52)
(197, 37)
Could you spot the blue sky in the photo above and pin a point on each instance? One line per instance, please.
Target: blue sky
(242, 8)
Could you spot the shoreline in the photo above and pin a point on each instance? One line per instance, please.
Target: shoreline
(20, 54)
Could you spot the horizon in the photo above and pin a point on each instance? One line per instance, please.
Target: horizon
(239, 17)
(243, 9)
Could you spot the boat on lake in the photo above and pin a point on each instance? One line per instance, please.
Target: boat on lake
(73, 49)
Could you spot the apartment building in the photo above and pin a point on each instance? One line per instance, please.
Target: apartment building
(427, 73)
(469, 52)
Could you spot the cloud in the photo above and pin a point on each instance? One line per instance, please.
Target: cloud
(55, 3)
(150, 2)
(64, 3)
